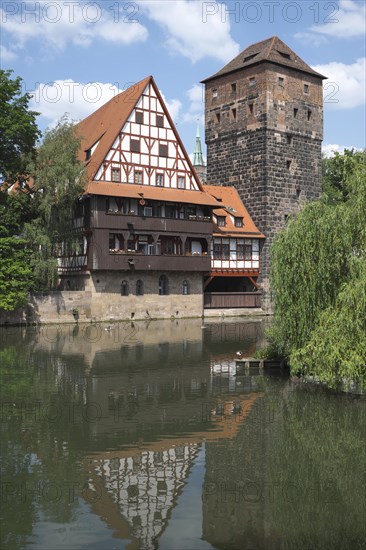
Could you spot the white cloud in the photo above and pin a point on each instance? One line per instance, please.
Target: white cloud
(345, 19)
(195, 112)
(6, 54)
(346, 84)
(52, 100)
(330, 149)
(59, 23)
(190, 31)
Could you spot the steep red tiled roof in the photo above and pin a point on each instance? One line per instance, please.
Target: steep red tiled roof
(231, 207)
(132, 190)
(272, 50)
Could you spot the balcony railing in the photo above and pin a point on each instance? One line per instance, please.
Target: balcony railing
(222, 300)
(134, 261)
(116, 222)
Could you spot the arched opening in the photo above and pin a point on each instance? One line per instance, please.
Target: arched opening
(124, 288)
(185, 288)
(163, 285)
(139, 288)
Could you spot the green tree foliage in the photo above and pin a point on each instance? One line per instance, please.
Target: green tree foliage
(58, 178)
(19, 132)
(318, 279)
(15, 273)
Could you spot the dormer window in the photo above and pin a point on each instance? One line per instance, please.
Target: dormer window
(221, 221)
(249, 57)
(284, 55)
(238, 222)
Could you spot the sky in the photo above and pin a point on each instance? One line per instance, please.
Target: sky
(73, 56)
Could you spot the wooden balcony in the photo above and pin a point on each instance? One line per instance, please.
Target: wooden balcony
(149, 224)
(222, 300)
(150, 262)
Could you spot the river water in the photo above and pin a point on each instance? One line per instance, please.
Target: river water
(140, 436)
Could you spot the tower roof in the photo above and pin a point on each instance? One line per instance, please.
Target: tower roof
(271, 50)
(197, 155)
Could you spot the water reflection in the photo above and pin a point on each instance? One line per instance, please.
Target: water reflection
(142, 433)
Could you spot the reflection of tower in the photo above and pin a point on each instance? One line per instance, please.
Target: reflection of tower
(198, 162)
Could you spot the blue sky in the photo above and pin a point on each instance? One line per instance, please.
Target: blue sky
(75, 55)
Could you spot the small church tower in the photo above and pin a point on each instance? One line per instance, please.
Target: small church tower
(198, 162)
(264, 129)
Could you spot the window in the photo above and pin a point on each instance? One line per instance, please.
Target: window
(137, 178)
(221, 221)
(288, 164)
(160, 180)
(289, 139)
(233, 88)
(306, 88)
(215, 93)
(139, 117)
(116, 174)
(295, 112)
(233, 113)
(252, 81)
(181, 182)
(163, 150)
(225, 251)
(185, 288)
(251, 108)
(124, 288)
(217, 117)
(87, 154)
(309, 114)
(298, 193)
(163, 285)
(238, 222)
(160, 121)
(139, 288)
(281, 81)
(135, 145)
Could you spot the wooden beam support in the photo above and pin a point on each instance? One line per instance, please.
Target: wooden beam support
(253, 281)
(206, 283)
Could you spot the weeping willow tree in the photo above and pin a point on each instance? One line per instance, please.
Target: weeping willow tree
(58, 178)
(318, 282)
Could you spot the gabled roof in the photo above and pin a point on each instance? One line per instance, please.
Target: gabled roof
(101, 128)
(232, 206)
(272, 50)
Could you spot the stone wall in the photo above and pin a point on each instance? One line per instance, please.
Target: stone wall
(102, 301)
(264, 137)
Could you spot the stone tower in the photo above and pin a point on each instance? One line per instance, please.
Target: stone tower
(264, 129)
(198, 161)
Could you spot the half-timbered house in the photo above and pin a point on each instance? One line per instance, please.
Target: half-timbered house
(144, 221)
(235, 253)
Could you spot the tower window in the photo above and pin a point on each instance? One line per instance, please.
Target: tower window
(298, 193)
(288, 164)
(139, 117)
(135, 145)
(217, 117)
(163, 150)
(295, 112)
(160, 121)
(306, 88)
(233, 112)
(215, 93)
(233, 88)
(281, 81)
(309, 114)
(252, 81)
(116, 174)
(251, 108)
(289, 139)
